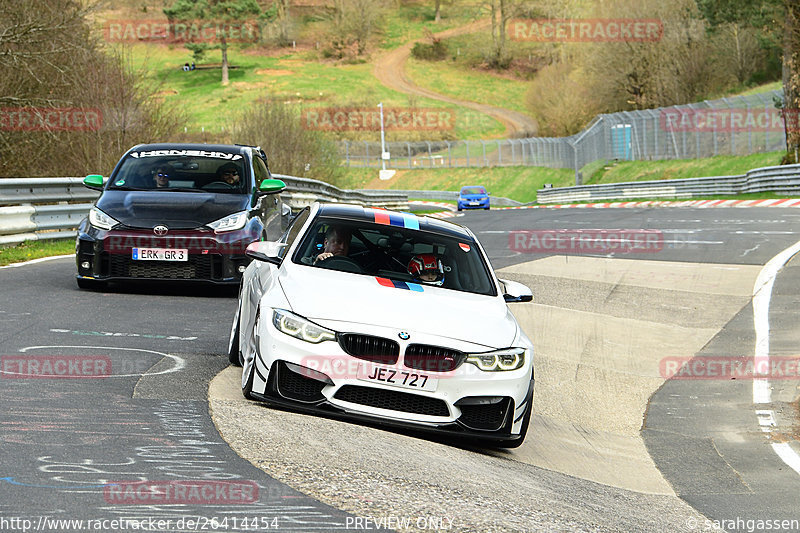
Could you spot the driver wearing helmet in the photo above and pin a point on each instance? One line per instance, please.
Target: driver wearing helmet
(427, 268)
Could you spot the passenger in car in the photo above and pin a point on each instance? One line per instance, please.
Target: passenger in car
(337, 242)
(161, 176)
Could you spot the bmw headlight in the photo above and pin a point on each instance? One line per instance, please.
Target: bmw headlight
(230, 222)
(100, 220)
(499, 360)
(299, 327)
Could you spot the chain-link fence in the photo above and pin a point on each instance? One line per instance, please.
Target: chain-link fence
(729, 126)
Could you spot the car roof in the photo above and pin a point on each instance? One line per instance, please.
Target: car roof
(232, 148)
(367, 214)
(473, 187)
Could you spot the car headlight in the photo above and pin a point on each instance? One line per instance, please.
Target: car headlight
(299, 327)
(100, 220)
(499, 360)
(230, 222)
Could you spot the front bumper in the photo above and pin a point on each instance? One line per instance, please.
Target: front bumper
(323, 379)
(107, 255)
(473, 204)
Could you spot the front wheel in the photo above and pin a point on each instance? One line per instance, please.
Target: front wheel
(517, 441)
(234, 355)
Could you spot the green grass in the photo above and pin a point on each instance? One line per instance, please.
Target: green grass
(410, 21)
(521, 183)
(29, 250)
(291, 78)
(758, 89)
(625, 171)
(517, 183)
(469, 84)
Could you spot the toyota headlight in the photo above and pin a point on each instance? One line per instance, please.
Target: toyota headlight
(230, 222)
(300, 328)
(499, 360)
(100, 220)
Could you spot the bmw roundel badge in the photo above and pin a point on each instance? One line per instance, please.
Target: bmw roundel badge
(404, 335)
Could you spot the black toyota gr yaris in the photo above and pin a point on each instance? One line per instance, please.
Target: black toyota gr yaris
(179, 212)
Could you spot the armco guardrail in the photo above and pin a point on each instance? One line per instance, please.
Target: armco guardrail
(780, 180)
(52, 208)
(451, 196)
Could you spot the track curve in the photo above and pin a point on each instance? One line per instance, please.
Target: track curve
(600, 321)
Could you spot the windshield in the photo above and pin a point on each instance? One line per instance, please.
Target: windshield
(184, 170)
(394, 253)
(473, 190)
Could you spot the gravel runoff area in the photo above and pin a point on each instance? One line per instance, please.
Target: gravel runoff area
(434, 486)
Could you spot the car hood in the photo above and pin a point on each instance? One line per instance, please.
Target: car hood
(175, 209)
(322, 295)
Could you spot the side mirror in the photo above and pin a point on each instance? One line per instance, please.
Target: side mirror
(516, 292)
(93, 181)
(271, 186)
(267, 251)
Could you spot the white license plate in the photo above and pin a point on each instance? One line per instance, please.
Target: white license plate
(160, 254)
(474, 203)
(406, 378)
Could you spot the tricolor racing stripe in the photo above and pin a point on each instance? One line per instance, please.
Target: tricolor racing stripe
(391, 218)
(386, 282)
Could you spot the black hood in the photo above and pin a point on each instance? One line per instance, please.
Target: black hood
(174, 209)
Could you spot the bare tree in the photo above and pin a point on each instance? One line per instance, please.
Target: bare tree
(50, 63)
(791, 74)
(354, 22)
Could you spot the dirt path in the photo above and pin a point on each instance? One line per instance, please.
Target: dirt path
(389, 69)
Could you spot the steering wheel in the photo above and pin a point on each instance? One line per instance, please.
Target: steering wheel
(340, 262)
(218, 185)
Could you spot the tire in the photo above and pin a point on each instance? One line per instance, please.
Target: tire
(234, 355)
(84, 283)
(247, 387)
(247, 390)
(459, 208)
(516, 442)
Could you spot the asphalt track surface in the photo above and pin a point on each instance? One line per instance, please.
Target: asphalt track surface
(66, 441)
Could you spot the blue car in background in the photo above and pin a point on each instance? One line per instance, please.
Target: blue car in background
(473, 197)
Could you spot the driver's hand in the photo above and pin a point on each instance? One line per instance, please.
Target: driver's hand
(323, 256)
